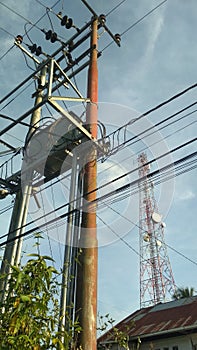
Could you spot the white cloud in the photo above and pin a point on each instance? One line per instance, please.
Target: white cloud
(155, 32)
(154, 29)
(186, 195)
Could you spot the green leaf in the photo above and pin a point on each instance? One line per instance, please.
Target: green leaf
(46, 257)
(34, 254)
(15, 268)
(19, 279)
(25, 298)
(38, 235)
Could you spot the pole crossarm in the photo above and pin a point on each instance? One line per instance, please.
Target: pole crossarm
(75, 123)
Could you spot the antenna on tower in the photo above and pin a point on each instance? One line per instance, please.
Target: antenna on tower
(156, 277)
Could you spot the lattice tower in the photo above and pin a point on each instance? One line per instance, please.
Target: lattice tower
(156, 277)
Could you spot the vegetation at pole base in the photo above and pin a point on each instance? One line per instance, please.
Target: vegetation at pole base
(183, 293)
(29, 313)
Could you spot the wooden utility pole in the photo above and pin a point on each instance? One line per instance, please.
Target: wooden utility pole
(87, 271)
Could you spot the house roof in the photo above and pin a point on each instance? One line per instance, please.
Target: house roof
(171, 317)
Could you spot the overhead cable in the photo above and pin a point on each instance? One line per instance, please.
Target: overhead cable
(133, 249)
(97, 200)
(115, 7)
(135, 23)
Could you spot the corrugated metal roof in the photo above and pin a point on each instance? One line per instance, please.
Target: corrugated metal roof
(172, 304)
(167, 317)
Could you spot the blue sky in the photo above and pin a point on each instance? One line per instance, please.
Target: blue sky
(157, 59)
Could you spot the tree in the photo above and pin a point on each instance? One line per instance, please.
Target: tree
(183, 293)
(29, 313)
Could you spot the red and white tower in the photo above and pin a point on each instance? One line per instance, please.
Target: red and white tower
(156, 278)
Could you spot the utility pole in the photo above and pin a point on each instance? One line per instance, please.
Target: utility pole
(12, 252)
(84, 294)
(87, 271)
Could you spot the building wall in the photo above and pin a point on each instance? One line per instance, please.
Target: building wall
(186, 342)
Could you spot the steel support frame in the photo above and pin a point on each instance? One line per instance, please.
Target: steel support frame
(52, 100)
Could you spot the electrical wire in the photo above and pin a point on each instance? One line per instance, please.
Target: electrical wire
(134, 250)
(144, 149)
(16, 96)
(137, 169)
(158, 179)
(27, 61)
(5, 54)
(19, 15)
(143, 17)
(135, 23)
(26, 33)
(131, 156)
(5, 209)
(6, 31)
(137, 138)
(138, 226)
(52, 27)
(48, 238)
(14, 137)
(103, 197)
(160, 105)
(148, 163)
(117, 235)
(115, 7)
(56, 226)
(191, 87)
(32, 26)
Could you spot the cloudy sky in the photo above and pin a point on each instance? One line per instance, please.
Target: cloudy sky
(156, 60)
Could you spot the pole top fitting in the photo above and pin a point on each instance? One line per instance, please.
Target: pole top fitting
(19, 39)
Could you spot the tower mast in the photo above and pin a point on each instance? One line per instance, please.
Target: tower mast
(156, 277)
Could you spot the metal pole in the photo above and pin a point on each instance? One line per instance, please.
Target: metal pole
(87, 272)
(67, 253)
(12, 252)
(27, 189)
(75, 251)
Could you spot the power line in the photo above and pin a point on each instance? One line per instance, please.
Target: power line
(154, 143)
(140, 151)
(137, 169)
(115, 7)
(48, 238)
(158, 178)
(6, 31)
(149, 163)
(116, 148)
(111, 193)
(170, 247)
(191, 87)
(160, 105)
(56, 226)
(117, 235)
(19, 15)
(32, 26)
(142, 18)
(135, 23)
(7, 52)
(16, 96)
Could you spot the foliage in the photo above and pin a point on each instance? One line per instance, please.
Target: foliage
(183, 293)
(115, 334)
(29, 313)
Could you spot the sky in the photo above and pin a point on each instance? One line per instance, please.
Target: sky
(156, 60)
